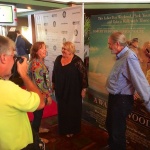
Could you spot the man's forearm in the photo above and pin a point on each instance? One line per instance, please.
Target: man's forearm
(30, 86)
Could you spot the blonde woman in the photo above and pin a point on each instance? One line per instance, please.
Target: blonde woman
(69, 82)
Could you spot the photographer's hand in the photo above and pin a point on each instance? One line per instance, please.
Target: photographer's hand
(49, 100)
(22, 67)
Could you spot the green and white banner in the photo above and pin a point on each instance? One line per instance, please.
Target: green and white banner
(133, 25)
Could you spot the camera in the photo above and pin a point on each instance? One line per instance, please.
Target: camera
(20, 59)
(14, 68)
(15, 77)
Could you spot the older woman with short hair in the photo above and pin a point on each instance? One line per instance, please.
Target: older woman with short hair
(69, 82)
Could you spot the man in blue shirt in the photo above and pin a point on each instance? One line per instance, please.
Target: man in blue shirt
(125, 78)
(20, 45)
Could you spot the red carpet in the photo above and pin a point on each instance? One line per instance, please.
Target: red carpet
(49, 110)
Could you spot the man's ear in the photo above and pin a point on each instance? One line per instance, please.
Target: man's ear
(3, 58)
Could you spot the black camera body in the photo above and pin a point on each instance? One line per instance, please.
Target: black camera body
(20, 59)
(15, 75)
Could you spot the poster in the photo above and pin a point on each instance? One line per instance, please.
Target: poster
(133, 25)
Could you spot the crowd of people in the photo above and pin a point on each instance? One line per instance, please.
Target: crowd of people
(70, 83)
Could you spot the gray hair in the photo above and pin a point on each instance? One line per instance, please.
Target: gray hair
(118, 37)
(6, 45)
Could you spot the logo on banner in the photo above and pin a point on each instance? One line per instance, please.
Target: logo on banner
(75, 22)
(75, 32)
(77, 51)
(54, 23)
(45, 24)
(64, 14)
(46, 31)
(46, 53)
(54, 15)
(64, 23)
(54, 47)
(64, 32)
(47, 46)
(75, 13)
(64, 40)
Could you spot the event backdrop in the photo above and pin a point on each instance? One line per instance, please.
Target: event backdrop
(133, 25)
(57, 26)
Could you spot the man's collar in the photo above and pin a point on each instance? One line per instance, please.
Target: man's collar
(122, 52)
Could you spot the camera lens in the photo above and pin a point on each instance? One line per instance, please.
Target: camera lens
(20, 59)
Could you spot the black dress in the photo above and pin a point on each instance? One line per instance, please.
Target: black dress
(69, 80)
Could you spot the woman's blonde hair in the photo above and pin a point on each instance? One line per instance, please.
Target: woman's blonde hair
(69, 46)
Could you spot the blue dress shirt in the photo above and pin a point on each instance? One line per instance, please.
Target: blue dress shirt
(127, 77)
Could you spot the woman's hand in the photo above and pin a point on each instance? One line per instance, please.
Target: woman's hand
(49, 100)
(83, 93)
(136, 96)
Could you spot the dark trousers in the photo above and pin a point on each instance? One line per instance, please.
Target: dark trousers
(37, 143)
(119, 107)
(37, 119)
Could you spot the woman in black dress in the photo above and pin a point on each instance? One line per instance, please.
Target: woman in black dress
(69, 82)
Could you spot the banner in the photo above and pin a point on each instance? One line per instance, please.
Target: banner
(133, 25)
(57, 26)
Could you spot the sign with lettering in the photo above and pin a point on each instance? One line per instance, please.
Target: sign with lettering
(135, 25)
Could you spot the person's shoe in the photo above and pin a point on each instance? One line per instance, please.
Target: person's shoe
(44, 140)
(105, 148)
(69, 135)
(41, 145)
(43, 130)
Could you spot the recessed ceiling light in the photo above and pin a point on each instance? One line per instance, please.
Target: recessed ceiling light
(19, 10)
(29, 7)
